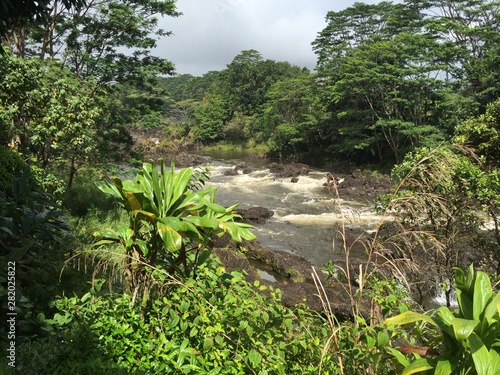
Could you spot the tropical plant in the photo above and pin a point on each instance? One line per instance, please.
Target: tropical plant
(217, 324)
(34, 239)
(469, 337)
(170, 224)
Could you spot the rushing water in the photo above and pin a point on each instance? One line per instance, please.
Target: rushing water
(305, 213)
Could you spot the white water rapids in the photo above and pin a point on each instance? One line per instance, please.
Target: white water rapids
(305, 213)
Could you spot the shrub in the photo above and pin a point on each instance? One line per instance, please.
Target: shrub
(11, 165)
(469, 337)
(216, 324)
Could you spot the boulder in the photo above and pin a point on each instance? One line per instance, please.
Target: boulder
(288, 170)
(255, 214)
(237, 168)
(295, 277)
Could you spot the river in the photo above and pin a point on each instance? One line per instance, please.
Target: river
(305, 213)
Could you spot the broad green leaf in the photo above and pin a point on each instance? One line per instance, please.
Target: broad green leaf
(145, 215)
(131, 202)
(445, 320)
(171, 238)
(444, 367)
(480, 355)
(494, 362)
(382, 339)
(180, 225)
(493, 308)
(462, 328)
(254, 357)
(208, 343)
(482, 294)
(105, 242)
(237, 231)
(399, 356)
(465, 304)
(416, 366)
(143, 245)
(107, 233)
(203, 256)
(409, 317)
(202, 221)
(460, 278)
(214, 207)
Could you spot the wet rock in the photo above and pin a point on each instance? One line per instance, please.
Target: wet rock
(298, 287)
(237, 168)
(288, 170)
(294, 180)
(255, 214)
(231, 172)
(358, 183)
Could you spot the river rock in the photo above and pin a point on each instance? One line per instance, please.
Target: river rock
(237, 168)
(288, 170)
(255, 214)
(358, 183)
(296, 277)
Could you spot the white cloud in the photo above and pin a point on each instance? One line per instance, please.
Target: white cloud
(210, 33)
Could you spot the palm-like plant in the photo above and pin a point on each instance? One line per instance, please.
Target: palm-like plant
(470, 335)
(170, 224)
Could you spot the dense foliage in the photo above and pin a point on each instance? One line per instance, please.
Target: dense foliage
(139, 290)
(390, 78)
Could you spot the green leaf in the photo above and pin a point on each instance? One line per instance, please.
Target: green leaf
(480, 355)
(465, 304)
(171, 238)
(444, 367)
(208, 343)
(409, 317)
(462, 328)
(382, 339)
(202, 221)
(416, 366)
(254, 357)
(399, 356)
(493, 308)
(482, 294)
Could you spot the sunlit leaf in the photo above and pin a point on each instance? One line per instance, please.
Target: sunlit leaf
(409, 317)
(462, 328)
(417, 366)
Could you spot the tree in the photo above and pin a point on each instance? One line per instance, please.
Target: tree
(48, 112)
(292, 116)
(483, 134)
(110, 40)
(248, 77)
(470, 33)
(435, 207)
(389, 81)
(18, 13)
(170, 225)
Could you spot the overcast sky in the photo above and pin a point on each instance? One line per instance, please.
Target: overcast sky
(210, 33)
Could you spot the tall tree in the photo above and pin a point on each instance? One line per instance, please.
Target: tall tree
(49, 113)
(292, 117)
(16, 14)
(470, 30)
(110, 40)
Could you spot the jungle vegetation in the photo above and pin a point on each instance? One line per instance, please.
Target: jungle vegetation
(114, 271)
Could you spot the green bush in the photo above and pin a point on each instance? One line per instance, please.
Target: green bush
(216, 324)
(468, 338)
(85, 197)
(11, 165)
(34, 236)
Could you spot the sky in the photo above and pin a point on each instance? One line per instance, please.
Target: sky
(210, 33)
